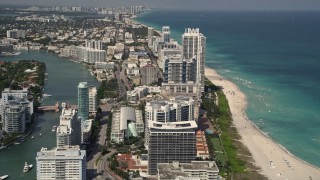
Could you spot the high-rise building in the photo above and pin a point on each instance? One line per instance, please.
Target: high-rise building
(92, 44)
(16, 34)
(69, 131)
(83, 101)
(14, 117)
(173, 141)
(90, 55)
(64, 136)
(21, 96)
(93, 99)
(177, 70)
(66, 162)
(179, 108)
(150, 37)
(194, 46)
(6, 48)
(86, 130)
(166, 34)
(7, 94)
(149, 74)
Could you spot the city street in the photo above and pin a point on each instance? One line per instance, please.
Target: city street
(99, 170)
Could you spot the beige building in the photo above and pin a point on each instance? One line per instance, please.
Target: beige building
(200, 170)
(149, 74)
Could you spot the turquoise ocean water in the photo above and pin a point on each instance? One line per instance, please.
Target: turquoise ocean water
(274, 57)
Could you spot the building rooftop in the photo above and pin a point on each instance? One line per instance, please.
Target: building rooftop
(83, 85)
(62, 129)
(63, 152)
(180, 125)
(132, 161)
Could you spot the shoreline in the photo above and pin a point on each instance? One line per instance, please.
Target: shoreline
(275, 161)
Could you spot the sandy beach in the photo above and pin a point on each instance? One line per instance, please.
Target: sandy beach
(274, 161)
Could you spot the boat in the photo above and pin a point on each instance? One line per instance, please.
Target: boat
(40, 134)
(4, 177)
(32, 137)
(27, 167)
(54, 128)
(16, 143)
(46, 95)
(16, 53)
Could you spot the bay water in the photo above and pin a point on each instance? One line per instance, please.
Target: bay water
(63, 79)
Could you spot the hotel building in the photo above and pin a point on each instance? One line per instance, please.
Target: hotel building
(194, 46)
(178, 70)
(83, 101)
(67, 162)
(171, 141)
(14, 117)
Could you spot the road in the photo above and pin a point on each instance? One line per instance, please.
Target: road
(121, 86)
(124, 77)
(103, 167)
(98, 171)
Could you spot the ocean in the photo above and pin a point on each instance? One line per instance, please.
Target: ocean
(273, 57)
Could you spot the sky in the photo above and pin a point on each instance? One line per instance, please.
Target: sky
(183, 4)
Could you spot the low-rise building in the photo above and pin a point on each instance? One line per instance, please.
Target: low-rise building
(104, 65)
(201, 144)
(134, 162)
(140, 92)
(203, 170)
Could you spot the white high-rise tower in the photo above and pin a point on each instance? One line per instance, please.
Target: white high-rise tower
(166, 34)
(194, 44)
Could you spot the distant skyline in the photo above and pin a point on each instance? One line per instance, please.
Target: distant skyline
(182, 4)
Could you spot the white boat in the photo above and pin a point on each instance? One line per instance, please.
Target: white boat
(27, 167)
(32, 137)
(16, 143)
(4, 177)
(16, 53)
(54, 128)
(46, 95)
(40, 134)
